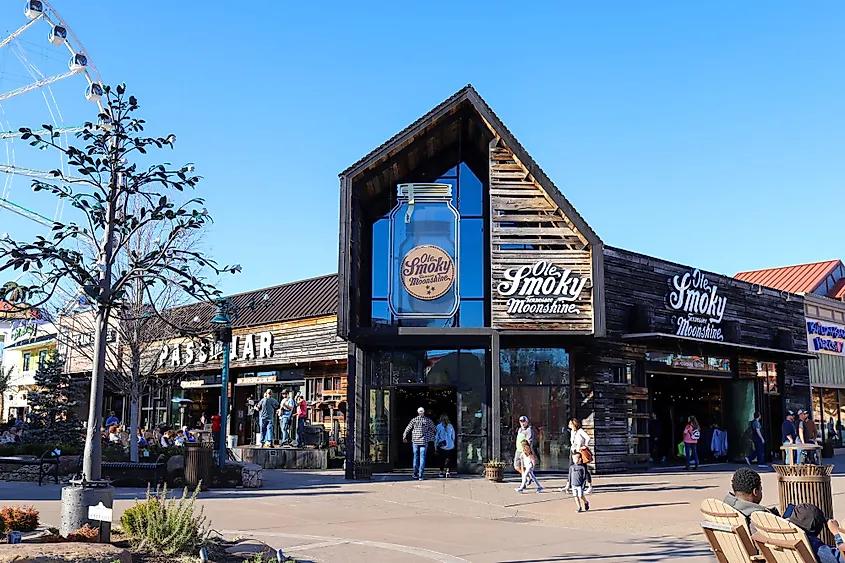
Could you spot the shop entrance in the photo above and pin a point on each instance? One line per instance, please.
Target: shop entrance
(676, 397)
(436, 401)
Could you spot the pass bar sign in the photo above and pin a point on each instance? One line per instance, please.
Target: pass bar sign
(100, 512)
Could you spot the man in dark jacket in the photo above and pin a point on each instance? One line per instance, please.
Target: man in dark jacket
(747, 493)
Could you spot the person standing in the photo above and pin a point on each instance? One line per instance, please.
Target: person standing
(285, 415)
(580, 439)
(267, 408)
(525, 433)
(422, 432)
(444, 445)
(757, 437)
(806, 435)
(813, 437)
(788, 433)
(112, 420)
(579, 480)
(215, 429)
(692, 433)
(301, 414)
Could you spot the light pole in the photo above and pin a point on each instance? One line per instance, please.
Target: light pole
(223, 333)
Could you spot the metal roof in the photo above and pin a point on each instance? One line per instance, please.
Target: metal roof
(803, 278)
(838, 290)
(302, 299)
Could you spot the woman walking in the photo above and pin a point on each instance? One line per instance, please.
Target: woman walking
(692, 433)
(444, 445)
(580, 439)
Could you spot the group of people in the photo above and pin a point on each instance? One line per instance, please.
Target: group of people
(292, 412)
(423, 432)
(117, 433)
(747, 496)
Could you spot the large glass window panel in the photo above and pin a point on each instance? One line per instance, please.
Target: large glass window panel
(546, 408)
(379, 425)
(830, 405)
(381, 257)
(471, 201)
(472, 313)
(380, 313)
(471, 268)
(472, 427)
(534, 366)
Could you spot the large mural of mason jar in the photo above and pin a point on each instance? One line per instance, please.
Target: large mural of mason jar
(424, 248)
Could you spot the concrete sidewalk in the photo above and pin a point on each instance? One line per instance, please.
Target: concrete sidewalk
(318, 516)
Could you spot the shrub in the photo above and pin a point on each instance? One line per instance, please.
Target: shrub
(19, 518)
(168, 526)
(85, 534)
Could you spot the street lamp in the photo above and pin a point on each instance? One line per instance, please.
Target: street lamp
(223, 333)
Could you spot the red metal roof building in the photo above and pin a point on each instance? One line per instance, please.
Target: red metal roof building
(821, 278)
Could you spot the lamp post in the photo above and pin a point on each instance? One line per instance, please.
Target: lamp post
(224, 334)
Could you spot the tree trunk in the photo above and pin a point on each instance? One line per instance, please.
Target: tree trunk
(92, 460)
(134, 415)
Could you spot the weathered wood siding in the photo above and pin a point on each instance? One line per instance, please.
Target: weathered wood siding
(522, 213)
(302, 341)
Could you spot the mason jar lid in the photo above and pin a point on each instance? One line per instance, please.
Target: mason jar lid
(411, 191)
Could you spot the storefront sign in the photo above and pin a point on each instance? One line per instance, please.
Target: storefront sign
(193, 384)
(428, 272)
(825, 337)
(541, 289)
(24, 330)
(179, 354)
(257, 379)
(693, 294)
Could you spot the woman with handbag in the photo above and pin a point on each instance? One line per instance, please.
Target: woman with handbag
(444, 445)
(580, 440)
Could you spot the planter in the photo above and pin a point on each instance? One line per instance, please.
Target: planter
(495, 473)
(362, 471)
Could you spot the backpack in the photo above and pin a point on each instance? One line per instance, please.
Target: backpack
(696, 434)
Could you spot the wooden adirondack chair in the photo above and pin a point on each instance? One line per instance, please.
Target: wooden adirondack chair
(779, 540)
(727, 531)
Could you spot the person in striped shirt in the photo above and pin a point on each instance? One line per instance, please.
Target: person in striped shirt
(422, 431)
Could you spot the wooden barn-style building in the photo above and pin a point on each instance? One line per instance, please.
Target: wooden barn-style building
(541, 318)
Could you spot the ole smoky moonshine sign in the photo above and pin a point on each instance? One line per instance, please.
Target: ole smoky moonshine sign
(699, 304)
(541, 289)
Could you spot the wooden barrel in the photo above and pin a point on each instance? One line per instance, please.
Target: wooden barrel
(798, 484)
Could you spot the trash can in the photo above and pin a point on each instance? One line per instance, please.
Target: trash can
(199, 460)
(807, 483)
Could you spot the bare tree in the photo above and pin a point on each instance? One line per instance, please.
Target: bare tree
(114, 199)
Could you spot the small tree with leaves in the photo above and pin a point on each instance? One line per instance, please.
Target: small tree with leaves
(113, 198)
(53, 416)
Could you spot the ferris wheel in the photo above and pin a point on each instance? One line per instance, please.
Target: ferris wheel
(39, 85)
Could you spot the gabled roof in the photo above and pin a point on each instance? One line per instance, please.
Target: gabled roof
(803, 278)
(468, 95)
(302, 299)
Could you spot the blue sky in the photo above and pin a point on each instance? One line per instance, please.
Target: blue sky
(710, 134)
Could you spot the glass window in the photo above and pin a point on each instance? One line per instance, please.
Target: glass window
(381, 253)
(719, 364)
(42, 358)
(546, 409)
(534, 366)
(471, 201)
(472, 271)
(471, 313)
(379, 425)
(380, 313)
(26, 358)
(830, 405)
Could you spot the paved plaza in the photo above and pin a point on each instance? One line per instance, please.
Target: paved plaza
(318, 516)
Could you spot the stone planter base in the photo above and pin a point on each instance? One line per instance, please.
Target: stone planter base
(283, 458)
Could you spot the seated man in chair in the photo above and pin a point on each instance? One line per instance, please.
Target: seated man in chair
(747, 493)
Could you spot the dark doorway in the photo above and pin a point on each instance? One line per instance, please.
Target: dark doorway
(436, 401)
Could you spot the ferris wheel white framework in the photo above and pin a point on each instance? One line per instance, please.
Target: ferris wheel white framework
(80, 64)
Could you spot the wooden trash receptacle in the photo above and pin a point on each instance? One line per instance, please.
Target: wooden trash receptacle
(798, 484)
(199, 460)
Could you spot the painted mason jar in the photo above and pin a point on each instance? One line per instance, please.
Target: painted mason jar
(424, 253)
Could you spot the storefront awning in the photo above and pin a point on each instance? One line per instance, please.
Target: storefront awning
(754, 351)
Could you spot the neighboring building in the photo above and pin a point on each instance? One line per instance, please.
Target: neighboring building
(30, 342)
(823, 286)
(492, 298)
(287, 341)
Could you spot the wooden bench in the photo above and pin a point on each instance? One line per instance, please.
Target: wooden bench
(158, 468)
(50, 457)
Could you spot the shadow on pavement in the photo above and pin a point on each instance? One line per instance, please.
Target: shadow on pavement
(636, 506)
(659, 550)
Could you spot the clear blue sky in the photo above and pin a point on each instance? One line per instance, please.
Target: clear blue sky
(712, 134)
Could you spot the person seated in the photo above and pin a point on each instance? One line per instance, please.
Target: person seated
(166, 440)
(747, 493)
(114, 437)
(7, 438)
(179, 440)
(189, 435)
(812, 520)
(142, 441)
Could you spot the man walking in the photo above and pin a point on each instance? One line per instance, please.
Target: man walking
(266, 408)
(285, 414)
(422, 432)
(759, 442)
(788, 433)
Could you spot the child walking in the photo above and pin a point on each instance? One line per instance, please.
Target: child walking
(579, 479)
(528, 462)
